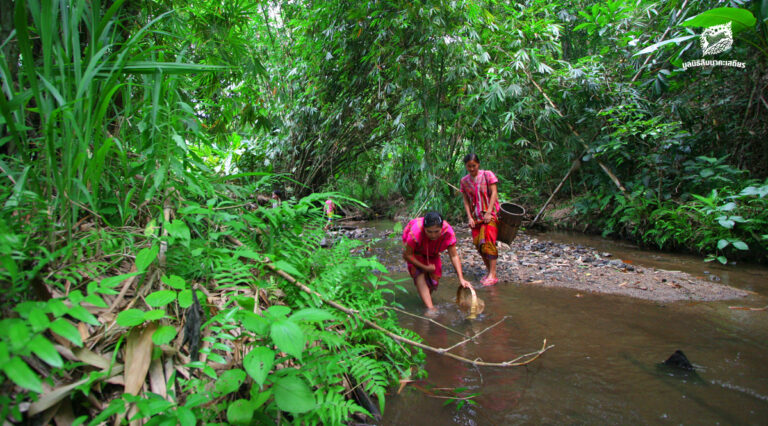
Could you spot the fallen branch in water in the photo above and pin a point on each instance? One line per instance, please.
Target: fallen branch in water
(477, 334)
(426, 319)
(442, 351)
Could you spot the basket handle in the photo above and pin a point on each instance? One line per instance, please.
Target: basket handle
(473, 306)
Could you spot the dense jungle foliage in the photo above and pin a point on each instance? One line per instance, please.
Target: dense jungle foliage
(136, 135)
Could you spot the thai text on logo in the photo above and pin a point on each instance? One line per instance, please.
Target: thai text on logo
(714, 40)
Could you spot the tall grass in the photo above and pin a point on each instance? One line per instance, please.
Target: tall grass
(90, 112)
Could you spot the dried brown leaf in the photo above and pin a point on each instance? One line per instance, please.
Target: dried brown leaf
(65, 416)
(91, 358)
(138, 355)
(157, 378)
(49, 399)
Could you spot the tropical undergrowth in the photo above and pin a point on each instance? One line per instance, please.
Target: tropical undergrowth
(132, 260)
(267, 350)
(728, 222)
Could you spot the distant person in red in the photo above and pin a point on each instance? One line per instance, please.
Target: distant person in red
(328, 209)
(481, 203)
(277, 198)
(424, 238)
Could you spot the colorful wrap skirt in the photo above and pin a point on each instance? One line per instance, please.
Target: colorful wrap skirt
(432, 278)
(484, 238)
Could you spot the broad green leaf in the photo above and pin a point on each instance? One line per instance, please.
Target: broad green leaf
(186, 300)
(45, 350)
(178, 230)
(240, 412)
(195, 399)
(229, 381)
(20, 373)
(27, 309)
(741, 18)
(312, 315)
(259, 398)
(66, 330)
(82, 314)
(277, 311)
(19, 333)
(741, 245)
(722, 259)
(96, 300)
(725, 223)
(254, 323)
(130, 317)
(245, 302)
(154, 314)
(288, 337)
(110, 282)
(160, 298)
(186, 416)
(293, 395)
(146, 256)
(258, 363)
(174, 281)
(4, 353)
(288, 268)
(163, 335)
(722, 244)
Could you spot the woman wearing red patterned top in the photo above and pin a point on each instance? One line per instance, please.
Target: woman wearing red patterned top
(424, 238)
(481, 203)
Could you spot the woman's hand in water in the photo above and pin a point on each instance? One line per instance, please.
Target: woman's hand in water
(430, 268)
(464, 283)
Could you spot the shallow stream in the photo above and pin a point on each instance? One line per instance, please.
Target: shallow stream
(603, 368)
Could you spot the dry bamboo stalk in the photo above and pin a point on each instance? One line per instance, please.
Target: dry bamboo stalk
(605, 168)
(576, 164)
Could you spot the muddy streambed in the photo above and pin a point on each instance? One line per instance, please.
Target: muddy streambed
(603, 368)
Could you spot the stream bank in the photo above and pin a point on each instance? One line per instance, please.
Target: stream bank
(533, 260)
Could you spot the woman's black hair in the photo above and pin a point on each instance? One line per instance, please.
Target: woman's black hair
(279, 193)
(471, 157)
(433, 219)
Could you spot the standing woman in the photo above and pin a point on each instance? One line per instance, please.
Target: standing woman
(328, 209)
(424, 238)
(481, 203)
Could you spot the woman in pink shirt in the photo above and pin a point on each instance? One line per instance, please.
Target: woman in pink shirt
(481, 203)
(424, 238)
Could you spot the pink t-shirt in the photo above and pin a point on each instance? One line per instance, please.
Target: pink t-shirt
(415, 237)
(329, 207)
(478, 191)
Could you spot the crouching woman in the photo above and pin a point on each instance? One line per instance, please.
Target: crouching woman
(425, 238)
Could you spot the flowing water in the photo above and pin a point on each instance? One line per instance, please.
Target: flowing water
(604, 366)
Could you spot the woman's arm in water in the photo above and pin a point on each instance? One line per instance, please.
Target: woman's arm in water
(456, 262)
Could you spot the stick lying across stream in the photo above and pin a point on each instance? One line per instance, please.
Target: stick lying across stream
(521, 360)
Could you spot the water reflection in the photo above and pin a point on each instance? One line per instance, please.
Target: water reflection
(603, 368)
